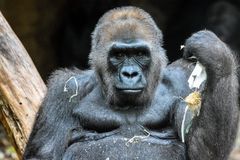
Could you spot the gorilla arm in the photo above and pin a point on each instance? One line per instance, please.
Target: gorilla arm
(213, 132)
(55, 121)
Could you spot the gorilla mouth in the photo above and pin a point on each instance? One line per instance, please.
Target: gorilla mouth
(130, 90)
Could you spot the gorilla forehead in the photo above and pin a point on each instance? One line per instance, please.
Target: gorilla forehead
(126, 23)
(123, 13)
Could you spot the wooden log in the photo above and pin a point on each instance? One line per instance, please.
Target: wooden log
(21, 88)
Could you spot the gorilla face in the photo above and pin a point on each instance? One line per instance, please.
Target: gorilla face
(127, 57)
(129, 62)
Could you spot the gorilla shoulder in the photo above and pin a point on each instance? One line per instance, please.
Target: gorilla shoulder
(70, 83)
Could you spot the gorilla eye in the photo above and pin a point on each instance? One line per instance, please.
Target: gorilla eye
(119, 55)
(140, 54)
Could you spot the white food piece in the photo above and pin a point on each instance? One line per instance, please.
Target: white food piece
(198, 76)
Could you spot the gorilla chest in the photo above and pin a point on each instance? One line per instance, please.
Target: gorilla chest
(95, 114)
(121, 134)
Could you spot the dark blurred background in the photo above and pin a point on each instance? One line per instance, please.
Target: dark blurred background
(57, 33)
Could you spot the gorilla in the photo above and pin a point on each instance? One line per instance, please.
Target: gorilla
(131, 104)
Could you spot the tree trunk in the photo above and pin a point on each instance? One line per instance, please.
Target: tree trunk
(21, 88)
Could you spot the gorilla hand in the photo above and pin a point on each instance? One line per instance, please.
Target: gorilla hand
(211, 52)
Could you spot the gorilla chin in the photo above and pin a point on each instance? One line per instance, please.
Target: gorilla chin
(129, 98)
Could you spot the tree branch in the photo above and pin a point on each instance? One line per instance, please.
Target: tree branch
(21, 87)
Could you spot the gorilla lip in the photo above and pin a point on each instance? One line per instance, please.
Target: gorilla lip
(130, 90)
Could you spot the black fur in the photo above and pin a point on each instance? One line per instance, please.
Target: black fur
(88, 126)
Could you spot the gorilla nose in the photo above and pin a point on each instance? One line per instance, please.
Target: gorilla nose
(130, 74)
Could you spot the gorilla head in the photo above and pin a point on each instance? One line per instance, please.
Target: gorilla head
(129, 64)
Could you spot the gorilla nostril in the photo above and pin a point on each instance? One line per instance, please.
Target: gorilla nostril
(126, 74)
(134, 74)
(130, 75)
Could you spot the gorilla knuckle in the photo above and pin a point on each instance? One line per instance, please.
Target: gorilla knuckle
(207, 47)
(203, 39)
